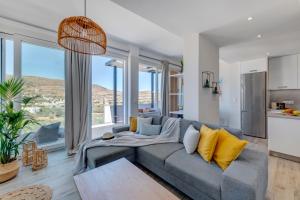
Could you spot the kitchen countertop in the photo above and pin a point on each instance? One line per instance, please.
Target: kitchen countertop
(281, 115)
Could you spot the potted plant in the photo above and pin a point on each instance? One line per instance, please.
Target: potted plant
(12, 122)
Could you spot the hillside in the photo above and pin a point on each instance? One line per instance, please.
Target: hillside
(53, 90)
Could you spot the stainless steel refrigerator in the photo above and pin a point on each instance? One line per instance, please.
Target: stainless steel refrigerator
(253, 104)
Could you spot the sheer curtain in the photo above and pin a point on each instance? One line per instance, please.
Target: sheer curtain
(165, 88)
(78, 94)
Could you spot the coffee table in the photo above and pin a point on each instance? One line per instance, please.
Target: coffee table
(120, 180)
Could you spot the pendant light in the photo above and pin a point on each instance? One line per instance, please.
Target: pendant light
(82, 35)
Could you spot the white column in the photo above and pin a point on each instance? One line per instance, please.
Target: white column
(17, 57)
(17, 64)
(133, 81)
(191, 77)
(200, 54)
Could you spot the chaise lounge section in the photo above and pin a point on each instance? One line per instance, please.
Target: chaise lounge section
(246, 178)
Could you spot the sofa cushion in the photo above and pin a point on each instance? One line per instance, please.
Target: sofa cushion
(194, 171)
(228, 148)
(191, 139)
(157, 153)
(208, 142)
(142, 120)
(133, 124)
(184, 124)
(235, 132)
(150, 129)
(98, 156)
(156, 119)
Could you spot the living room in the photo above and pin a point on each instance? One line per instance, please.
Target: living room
(145, 99)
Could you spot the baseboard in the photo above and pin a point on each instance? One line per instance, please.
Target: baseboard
(285, 156)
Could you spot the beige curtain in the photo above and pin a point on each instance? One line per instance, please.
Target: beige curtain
(165, 88)
(78, 100)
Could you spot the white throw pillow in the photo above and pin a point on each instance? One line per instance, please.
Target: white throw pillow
(191, 139)
(149, 129)
(142, 120)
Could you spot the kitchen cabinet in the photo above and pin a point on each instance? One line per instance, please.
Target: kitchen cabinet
(283, 72)
(283, 136)
(253, 66)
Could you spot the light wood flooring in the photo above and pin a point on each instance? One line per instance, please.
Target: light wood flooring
(284, 178)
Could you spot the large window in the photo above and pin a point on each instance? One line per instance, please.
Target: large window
(149, 88)
(43, 72)
(9, 58)
(107, 90)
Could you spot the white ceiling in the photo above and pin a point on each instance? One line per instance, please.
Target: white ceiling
(225, 22)
(160, 25)
(118, 22)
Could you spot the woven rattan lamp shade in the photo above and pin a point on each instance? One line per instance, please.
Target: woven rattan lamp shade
(82, 35)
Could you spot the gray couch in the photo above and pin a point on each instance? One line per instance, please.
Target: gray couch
(245, 179)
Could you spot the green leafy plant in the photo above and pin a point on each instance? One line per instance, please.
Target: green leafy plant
(13, 120)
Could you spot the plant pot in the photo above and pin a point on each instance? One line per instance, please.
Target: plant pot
(9, 171)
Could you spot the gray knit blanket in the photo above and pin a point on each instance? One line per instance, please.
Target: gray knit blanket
(169, 133)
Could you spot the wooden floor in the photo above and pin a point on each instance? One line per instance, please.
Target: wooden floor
(284, 178)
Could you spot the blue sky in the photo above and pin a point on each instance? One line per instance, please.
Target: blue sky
(49, 63)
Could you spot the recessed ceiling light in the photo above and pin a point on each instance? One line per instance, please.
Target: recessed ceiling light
(259, 36)
(268, 53)
(250, 18)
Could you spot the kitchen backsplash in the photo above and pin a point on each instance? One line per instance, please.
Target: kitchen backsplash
(286, 95)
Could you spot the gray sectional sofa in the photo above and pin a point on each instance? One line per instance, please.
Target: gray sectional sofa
(245, 179)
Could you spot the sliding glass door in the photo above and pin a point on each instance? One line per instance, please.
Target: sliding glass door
(7, 58)
(42, 69)
(107, 91)
(43, 73)
(149, 88)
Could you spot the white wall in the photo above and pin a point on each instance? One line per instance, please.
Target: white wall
(133, 81)
(208, 61)
(191, 73)
(230, 115)
(199, 55)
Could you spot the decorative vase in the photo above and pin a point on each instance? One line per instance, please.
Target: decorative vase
(206, 85)
(9, 171)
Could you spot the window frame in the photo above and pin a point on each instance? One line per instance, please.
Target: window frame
(18, 68)
(124, 57)
(3, 38)
(154, 84)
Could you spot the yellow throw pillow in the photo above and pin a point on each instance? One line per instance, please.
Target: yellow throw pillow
(228, 148)
(207, 143)
(133, 124)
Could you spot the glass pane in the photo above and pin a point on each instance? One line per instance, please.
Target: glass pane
(149, 88)
(9, 58)
(145, 90)
(43, 73)
(107, 91)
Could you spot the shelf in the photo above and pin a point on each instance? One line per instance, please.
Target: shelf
(176, 94)
(177, 112)
(177, 75)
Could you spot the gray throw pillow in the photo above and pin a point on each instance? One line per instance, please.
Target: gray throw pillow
(48, 133)
(142, 120)
(149, 129)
